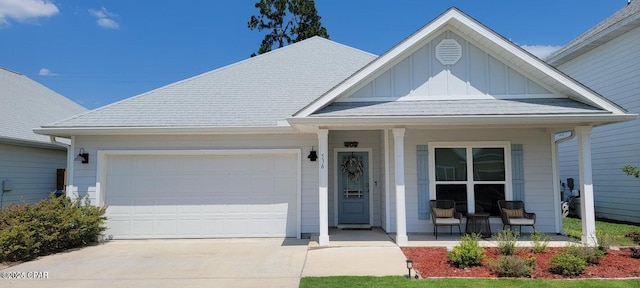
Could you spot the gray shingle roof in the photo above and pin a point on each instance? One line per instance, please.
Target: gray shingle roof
(257, 92)
(541, 106)
(26, 104)
(617, 24)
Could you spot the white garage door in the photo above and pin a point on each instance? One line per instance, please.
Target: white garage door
(200, 196)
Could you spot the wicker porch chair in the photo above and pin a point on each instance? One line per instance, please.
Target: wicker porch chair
(514, 214)
(443, 213)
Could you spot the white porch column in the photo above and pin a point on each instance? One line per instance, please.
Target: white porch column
(323, 191)
(586, 186)
(401, 217)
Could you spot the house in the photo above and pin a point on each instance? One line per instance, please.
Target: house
(607, 59)
(318, 134)
(29, 161)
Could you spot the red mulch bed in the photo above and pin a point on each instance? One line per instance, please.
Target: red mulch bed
(433, 262)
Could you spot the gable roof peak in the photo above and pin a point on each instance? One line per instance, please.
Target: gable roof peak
(486, 39)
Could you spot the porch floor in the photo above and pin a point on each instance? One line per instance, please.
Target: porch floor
(376, 237)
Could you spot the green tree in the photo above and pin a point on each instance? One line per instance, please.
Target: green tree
(288, 21)
(631, 171)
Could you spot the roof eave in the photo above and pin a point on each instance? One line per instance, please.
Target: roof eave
(467, 120)
(30, 143)
(564, 56)
(200, 130)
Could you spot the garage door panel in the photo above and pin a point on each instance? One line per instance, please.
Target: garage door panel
(145, 165)
(206, 196)
(142, 227)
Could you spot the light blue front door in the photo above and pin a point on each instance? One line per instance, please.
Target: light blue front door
(353, 188)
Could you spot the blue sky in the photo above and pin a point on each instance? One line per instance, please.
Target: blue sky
(98, 52)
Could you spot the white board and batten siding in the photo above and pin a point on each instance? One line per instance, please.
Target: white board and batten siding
(31, 170)
(613, 70)
(476, 75)
(202, 181)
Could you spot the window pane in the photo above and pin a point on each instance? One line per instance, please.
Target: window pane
(488, 164)
(455, 192)
(487, 196)
(451, 164)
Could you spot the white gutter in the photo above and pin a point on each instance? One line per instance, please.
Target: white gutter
(74, 131)
(55, 142)
(455, 120)
(556, 176)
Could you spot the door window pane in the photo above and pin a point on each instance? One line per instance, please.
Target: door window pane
(488, 164)
(451, 164)
(487, 196)
(455, 192)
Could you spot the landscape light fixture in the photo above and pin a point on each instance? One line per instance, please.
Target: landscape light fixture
(82, 156)
(409, 267)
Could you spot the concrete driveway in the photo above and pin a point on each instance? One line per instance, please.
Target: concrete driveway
(170, 263)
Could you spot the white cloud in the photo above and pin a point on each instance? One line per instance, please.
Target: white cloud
(24, 10)
(46, 72)
(104, 18)
(542, 51)
(108, 23)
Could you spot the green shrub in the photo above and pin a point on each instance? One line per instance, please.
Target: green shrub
(590, 255)
(467, 253)
(530, 260)
(511, 266)
(604, 242)
(507, 240)
(540, 241)
(49, 226)
(567, 264)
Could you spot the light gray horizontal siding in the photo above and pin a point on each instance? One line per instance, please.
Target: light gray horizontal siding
(537, 170)
(613, 71)
(32, 171)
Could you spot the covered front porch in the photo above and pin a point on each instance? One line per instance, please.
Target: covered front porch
(377, 237)
(402, 175)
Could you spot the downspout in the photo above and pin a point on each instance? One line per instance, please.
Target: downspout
(69, 160)
(556, 178)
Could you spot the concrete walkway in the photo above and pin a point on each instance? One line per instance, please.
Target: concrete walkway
(355, 253)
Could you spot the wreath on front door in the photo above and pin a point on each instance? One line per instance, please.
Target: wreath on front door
(353, 167)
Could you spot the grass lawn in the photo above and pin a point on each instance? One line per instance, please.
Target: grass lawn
(399, 281)
(614, 232)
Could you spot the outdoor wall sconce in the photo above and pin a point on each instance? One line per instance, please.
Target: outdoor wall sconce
(351, 144)
(409, 267)
(312, 155)
(82, 156)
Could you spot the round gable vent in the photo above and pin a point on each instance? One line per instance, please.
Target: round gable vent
(448, 52)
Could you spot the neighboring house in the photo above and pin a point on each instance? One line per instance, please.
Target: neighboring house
(454, 111)
(607, 59)
(28, 161)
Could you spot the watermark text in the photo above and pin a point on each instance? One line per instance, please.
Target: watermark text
(24, 275)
